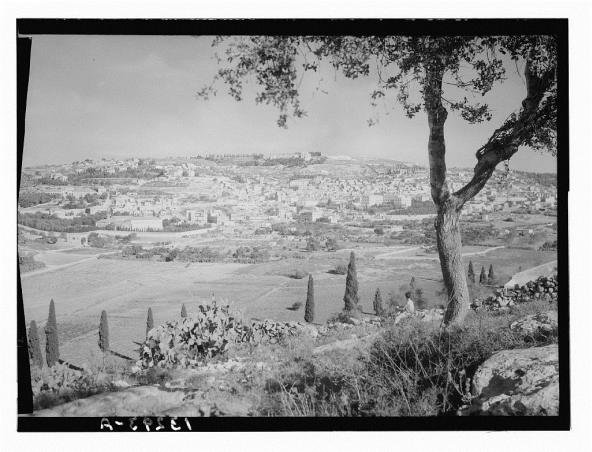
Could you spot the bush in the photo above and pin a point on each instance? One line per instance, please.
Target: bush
(204, 334)
(420, 363)
(341, 269)
(27, 263)
(54, 385)
(298, 274)
(296, 306)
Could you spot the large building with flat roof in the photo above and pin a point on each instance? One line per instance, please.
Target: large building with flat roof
(130, 223)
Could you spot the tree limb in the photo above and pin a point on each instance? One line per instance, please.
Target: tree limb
(505, 141)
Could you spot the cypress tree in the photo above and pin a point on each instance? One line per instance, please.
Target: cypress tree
(183, 311)
(34, 348)
(491, 275)
(471, 273)
(104, 332)
(52, 347)
(149, 322)
(377, 302)
(351, 285)
(482, 276)
(309, 309)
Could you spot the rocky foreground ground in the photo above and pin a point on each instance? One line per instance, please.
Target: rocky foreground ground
(511, 382)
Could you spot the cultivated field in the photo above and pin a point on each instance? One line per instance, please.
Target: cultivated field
(127, 288)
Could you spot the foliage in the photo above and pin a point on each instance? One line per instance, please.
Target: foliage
(52, 349)
(377, 305)
(149, 321)
(34, 348)
(96, 241)
(491, 279)
(313, 244)
(47, 222)
(471, 273)
(341, 269)
(332, 244)
(28, 263)
(549, 246)
(204, 334)
(59, 380)
(104, 332)
(310, 302)
(298, 274)
(482, 277)
(29, 199)
(351, 285)
(296, 306)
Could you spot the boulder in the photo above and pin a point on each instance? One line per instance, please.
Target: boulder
(522, 382)
(311, 329)
(545, 321)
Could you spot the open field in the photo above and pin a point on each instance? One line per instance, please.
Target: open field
(127, 288)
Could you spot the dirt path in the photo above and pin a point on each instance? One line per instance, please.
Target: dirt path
(393, 253)
(51, 268)
(476, 253)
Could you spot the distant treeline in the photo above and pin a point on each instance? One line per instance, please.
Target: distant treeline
(194, 254)
(30, 199)
(47, 222)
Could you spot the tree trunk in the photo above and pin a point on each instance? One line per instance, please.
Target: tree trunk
(449, 248)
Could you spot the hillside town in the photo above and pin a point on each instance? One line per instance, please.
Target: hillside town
(244, 193)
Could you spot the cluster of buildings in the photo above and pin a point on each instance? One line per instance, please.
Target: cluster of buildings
(230, 196)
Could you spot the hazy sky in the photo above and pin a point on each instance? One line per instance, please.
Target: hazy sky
(134, 96)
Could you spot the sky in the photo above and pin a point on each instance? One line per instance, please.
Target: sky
(134, 96)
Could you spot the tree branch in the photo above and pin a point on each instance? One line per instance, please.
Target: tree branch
(505, 141)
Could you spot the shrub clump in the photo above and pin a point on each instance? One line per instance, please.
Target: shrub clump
(59, 384)
(206, 333)
(298, 274)
(341, 269)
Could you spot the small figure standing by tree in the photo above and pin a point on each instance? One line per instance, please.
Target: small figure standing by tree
(183, 311)
(482, 276)
(471, 273)
(34, 348)
(52, 348)
(351, 285)
(149, 322)
(412, 283)
(309, 309)
(377, 302)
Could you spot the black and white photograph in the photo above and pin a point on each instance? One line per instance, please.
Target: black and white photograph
(292, 219)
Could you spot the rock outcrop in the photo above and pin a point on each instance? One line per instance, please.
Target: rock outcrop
(541, 322)
(522, 382)
(542, 288)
